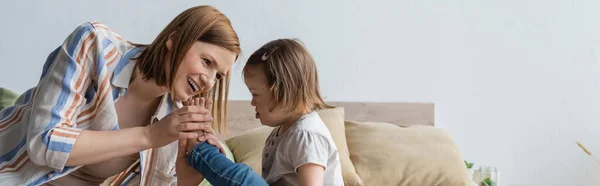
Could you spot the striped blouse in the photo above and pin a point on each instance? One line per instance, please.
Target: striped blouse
(80, 83)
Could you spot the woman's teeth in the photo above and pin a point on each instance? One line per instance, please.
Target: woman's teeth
(192, 85)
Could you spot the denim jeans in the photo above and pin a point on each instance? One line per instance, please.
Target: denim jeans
(219, 170)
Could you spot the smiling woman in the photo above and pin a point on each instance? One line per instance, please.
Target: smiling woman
(109, 111)
(191, 41)
(202, 66)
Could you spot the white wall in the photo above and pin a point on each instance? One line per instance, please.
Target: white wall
(515, 81)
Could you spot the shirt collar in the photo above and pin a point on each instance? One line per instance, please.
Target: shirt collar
(124, 69)
(166, 106)
(122, 76)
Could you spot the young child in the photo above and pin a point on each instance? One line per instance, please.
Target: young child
(282, 78)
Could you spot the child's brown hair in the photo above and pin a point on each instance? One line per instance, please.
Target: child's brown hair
(291, 75)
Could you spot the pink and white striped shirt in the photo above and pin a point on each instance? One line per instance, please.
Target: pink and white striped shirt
(80, 83)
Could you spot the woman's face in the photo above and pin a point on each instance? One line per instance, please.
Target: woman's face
(202, 65)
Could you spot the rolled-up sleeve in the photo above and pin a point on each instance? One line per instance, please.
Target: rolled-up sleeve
(60, 95)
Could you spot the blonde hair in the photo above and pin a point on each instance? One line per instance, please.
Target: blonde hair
(200, 23)
(291, 75)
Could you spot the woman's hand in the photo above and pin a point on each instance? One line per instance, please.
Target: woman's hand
(207, 135)
(179, 125)
(186, 174)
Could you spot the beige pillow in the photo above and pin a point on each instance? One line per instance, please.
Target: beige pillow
(385, 154)
(247, 147)
(334, 120)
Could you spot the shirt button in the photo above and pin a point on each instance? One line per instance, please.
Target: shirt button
(266, 155)
(50, 175)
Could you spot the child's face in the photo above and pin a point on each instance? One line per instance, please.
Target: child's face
(262, 98)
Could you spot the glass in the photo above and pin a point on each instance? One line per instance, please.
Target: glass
(487, 176)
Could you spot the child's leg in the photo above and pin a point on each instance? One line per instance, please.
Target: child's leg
(219, 170)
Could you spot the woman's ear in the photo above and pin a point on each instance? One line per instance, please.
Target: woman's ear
(169, 43)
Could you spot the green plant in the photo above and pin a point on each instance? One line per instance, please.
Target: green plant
(469, 164)
(487, 182)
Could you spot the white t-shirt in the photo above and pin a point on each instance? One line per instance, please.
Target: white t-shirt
(308, 141)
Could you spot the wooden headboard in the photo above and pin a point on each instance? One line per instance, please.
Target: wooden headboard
(240, 114)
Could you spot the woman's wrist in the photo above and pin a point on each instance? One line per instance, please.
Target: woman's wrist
(143, 133)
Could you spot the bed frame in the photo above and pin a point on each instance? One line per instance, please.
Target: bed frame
(240, 114)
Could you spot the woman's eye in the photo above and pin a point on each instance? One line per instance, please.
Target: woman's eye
(207, 61)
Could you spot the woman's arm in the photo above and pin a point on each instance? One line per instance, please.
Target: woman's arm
(310, 175)
(53, 138)
(51, 133)
(97, 146)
